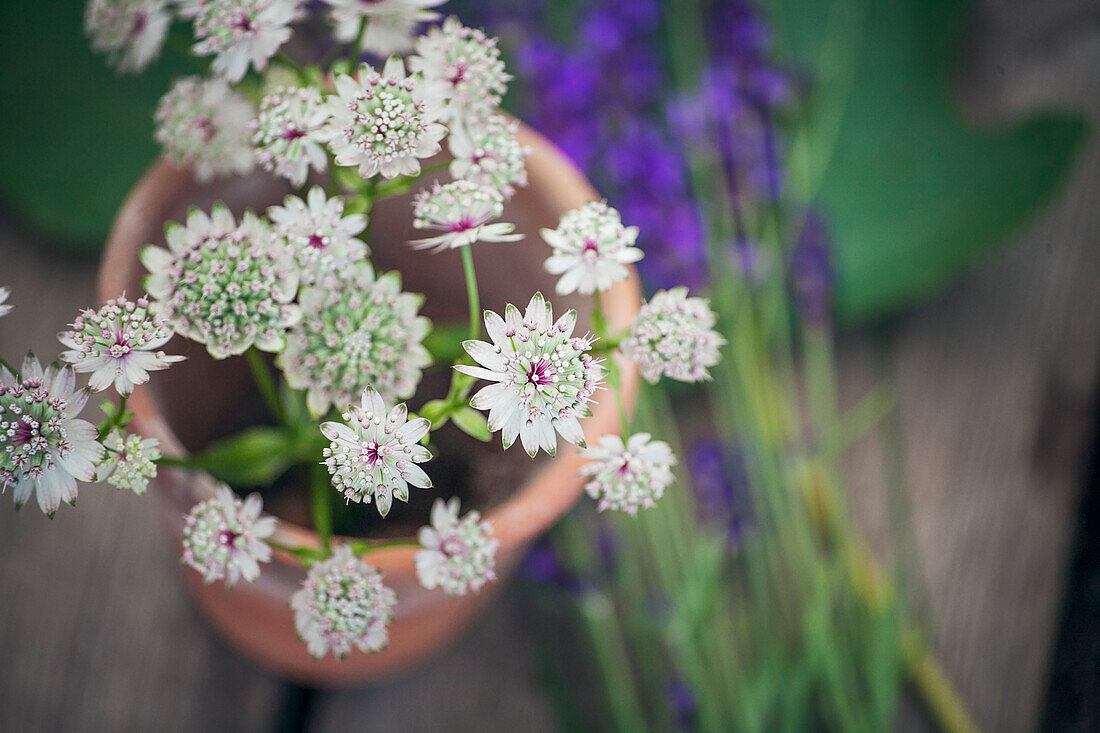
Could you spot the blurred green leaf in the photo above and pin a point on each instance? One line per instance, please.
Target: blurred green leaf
(914, 193)
(252, 458)
(76, 136)
(472, 422)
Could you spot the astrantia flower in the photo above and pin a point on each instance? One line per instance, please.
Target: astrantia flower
(204, 124)
(131, 32)
(130, 461)
(391, 24)
(374, 452)
(462, 211)
(224, 537)
(287, 133)
(628, 477)
(5, 309)
(323, 239)
(343, 604)
(488, 153)
(673, 336)
(242, 32)
(543, 377)
(383, 123)
(462, 67)
(591, 249)
(356, 332)
(44, 447)
(119, 343)
(224, 285)
(459, 554)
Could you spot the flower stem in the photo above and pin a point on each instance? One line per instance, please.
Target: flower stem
(599, 328)
(266, 384)
(471, 292)
(934, 687)
(319, 504)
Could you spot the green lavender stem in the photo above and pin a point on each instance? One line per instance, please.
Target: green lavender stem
(471, 292)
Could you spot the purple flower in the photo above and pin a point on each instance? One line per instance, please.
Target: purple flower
(811, 271)
(721, 486)
(681, 703)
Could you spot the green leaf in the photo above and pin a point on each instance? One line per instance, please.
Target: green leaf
(472, 422)
(444, 342)
(252, 458)
(914, 193)
(76, 136)
(436, 412)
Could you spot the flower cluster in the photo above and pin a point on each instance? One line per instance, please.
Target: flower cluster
(383, 123)
(461, 67)
(629, 476)
(119, 343)
(385, 27)
(458, 555)
(223, 537)
(204, 124)
(225, 285)
(488, 153)
(45, 448)
(673, 335)
(592, 249)
(288, 133)
(543, 378)
(374, 452)
(462, 211)
(130, 461)
(356, 332)
(240, 33)
(130, 32)
(343, 604)
(324, 241)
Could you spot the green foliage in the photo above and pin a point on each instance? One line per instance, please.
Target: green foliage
(76, 136)
(472, 422)
(913, 192)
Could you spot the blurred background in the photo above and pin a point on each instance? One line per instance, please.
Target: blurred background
(949, 260)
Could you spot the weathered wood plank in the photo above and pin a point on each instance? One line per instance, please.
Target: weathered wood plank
(96, 632)
(997, 383)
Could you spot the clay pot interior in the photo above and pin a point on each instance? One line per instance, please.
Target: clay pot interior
(203, 399)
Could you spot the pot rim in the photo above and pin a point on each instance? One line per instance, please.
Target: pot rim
(543, 498)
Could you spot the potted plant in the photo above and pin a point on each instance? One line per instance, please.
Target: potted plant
(291, 311)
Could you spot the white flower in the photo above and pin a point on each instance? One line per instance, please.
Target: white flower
(5, 309)
(288, 133)
(383, 123)
(462, 210)
(543, 377)
(242, 32)
(356, 332)
(459, 554)
(131, 32)
(130, 461)
(44, 447)
(224, 537)
(224, 285)
(489, 154)
(374, 455)
(391, 24)
(119, 343)
(343, 604)
(591, 249)
(462, 67)
(673, 336)
(204, 124)
(628, 477)
(323, 239)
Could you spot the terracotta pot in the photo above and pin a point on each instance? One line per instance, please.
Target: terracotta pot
(200, 399)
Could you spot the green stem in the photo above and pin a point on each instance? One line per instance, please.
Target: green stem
(266, 384)
(320, 489)
(8, 367)
(934, 687)
(471, 292)
(357, 48)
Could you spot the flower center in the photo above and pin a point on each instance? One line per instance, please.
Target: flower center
(541, 373)
(227, 537)
(316, 241)
(590, 251)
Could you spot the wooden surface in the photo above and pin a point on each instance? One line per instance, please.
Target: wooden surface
(997, 382)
